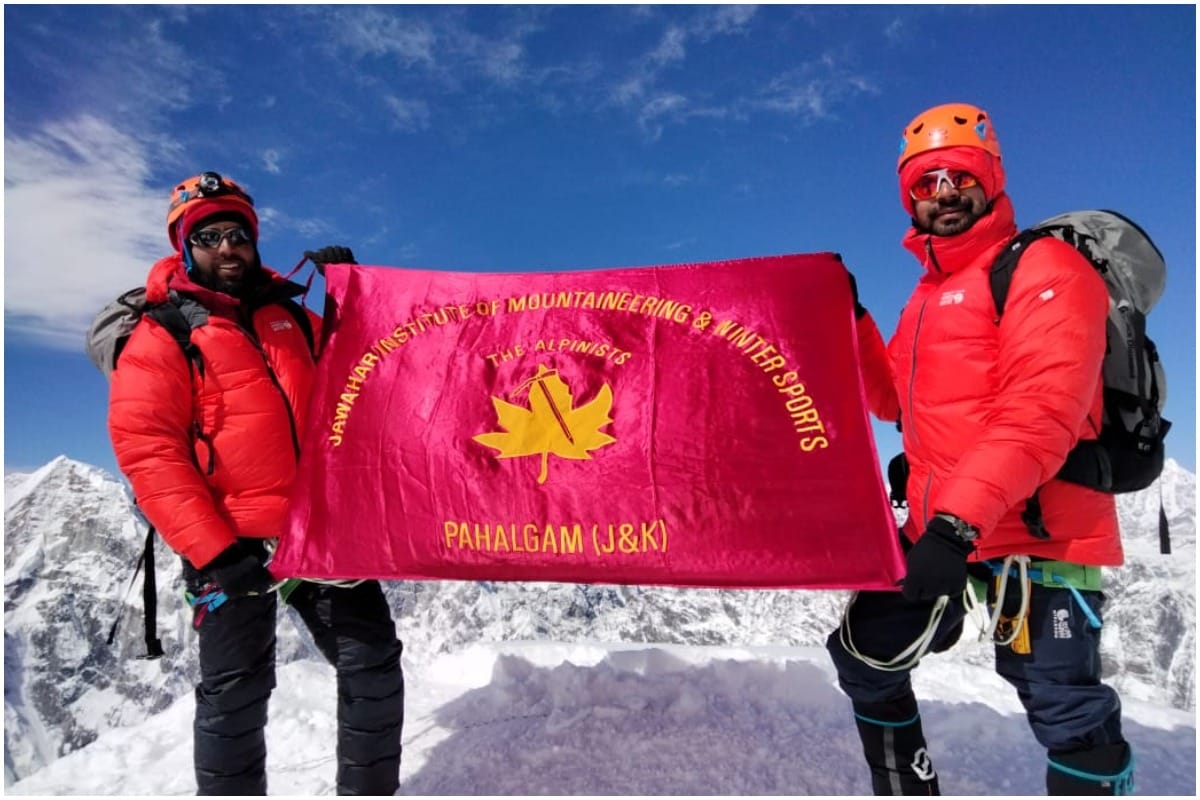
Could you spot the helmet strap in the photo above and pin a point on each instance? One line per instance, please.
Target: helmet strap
(184, 246)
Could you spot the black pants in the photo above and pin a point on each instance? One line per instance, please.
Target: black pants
(1069, 709)
(353, 629)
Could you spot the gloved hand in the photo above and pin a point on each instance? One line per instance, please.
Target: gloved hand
(859, 309)
(334, 254)
(239, 572)
(937, 563)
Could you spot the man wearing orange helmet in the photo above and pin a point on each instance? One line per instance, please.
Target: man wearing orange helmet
(208, 436)
(990, 406)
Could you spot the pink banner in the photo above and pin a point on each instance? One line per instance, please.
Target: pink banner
(688, 425)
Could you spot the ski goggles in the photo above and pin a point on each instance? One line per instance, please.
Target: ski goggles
(928, 185)
(211, 238)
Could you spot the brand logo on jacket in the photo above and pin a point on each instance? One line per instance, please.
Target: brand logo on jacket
(952, 298)
(281, 325)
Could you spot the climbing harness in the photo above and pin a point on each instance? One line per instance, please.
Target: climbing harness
(1005, 630)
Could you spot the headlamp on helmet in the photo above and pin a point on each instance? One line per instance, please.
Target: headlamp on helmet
(209, 183)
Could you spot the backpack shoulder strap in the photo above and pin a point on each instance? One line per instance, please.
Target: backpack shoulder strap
(154, 648)
(1006, 263)
(171, 316)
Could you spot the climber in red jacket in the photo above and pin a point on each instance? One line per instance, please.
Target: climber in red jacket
(209, 438)
(989, 408)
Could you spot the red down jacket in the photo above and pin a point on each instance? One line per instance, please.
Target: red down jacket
(250, 406)
(989, 411)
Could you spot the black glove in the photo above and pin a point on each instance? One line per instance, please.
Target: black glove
(334, 254)
(239, 572)
(937, 563)
(859, 309)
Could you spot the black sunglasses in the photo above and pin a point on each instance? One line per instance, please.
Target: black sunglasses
(210, 238)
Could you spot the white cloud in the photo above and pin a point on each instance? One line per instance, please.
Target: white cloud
(408, 115)
(371, 32)
(672, 52)
(503, 62)
(80, 223)
(441, 47)
(812, 90)
(724, 20)
(271, 158)
(270, 218)
(129, 63)
(671, 108)
(671, 48)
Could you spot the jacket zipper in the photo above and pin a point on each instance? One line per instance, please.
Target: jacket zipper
(912, 372)
(912, 379)
(932, 257)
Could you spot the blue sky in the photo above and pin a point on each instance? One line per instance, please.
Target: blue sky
(525, 138)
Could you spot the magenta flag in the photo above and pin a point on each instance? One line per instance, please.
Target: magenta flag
(684, 425)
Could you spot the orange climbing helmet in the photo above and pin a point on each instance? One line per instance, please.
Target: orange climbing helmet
(202, 196)
(949, 125)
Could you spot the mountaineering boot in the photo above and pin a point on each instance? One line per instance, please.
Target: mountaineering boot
(1103, 770)
(894, 746)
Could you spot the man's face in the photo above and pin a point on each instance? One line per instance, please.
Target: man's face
(947, 202)
(224, 255)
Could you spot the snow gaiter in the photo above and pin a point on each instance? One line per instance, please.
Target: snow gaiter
(1103, 770)
(894, 746)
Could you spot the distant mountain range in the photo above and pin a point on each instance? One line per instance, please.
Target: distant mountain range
(72, 539)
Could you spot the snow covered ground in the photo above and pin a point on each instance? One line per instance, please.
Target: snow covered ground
(558, 719)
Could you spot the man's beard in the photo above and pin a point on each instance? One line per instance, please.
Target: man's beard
(966, 219)
(240, 287)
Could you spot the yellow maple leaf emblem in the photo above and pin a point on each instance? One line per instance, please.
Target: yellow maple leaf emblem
(551, 423)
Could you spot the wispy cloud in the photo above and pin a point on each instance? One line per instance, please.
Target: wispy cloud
(640, 88)
(127, 64)
(657, 112)
(679, 244)
(270, 159)
(421, 65)
(376, 32)
(896, 31)
(677, 179)
(273, 219)
(812, 90)
(77, 207)
(442, 47)
(407, 115)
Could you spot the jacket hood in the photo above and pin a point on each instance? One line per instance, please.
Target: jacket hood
(942, 255)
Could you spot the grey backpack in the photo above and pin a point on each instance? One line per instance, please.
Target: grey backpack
(106, 337)
(1129, 450)
(114, 323)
